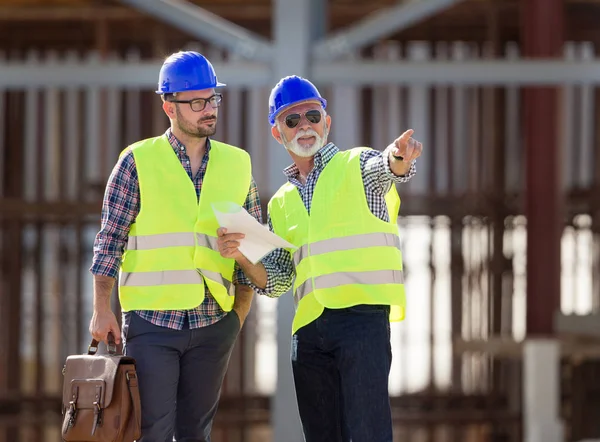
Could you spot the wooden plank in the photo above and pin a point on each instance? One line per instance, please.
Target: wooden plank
(45, 2)
(464, 22)
(11, 208)
(48, 13)
(245, 11)
(578, 326)
(426, 205)
(572, 348)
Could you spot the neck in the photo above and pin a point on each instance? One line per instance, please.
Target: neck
(304, 165)
(194, 146)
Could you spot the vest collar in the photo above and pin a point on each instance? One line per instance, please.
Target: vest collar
(178, 146)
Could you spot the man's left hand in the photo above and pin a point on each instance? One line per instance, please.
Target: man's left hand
(407, 147)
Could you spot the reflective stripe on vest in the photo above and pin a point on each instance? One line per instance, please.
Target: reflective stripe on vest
(344, 278)
(171, 277)
(163, 240)
(185, 239)
(377, 239)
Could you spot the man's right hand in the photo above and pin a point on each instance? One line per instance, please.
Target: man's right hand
(102, 322)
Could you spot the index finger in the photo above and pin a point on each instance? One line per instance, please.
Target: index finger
(406, 135)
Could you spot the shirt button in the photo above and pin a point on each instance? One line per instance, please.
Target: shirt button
(181, 147)
(187, 162)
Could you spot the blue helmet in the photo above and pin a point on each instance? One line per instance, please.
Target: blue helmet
(186, 71)
(289, 91)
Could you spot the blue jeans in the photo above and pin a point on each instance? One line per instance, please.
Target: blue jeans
(180, 373)
(341, 364)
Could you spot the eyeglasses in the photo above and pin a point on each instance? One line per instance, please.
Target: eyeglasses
(198, 104)
(313, 116)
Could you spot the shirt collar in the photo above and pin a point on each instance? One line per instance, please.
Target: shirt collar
(177, 145)
(322, 157)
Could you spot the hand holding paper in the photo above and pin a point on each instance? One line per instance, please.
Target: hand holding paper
(257, 241)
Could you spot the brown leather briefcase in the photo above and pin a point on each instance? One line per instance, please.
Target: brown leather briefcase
(101, 400)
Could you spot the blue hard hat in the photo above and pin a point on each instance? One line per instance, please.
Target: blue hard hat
(186, 71)
(289, 91)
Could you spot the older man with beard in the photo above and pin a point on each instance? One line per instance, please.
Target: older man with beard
(183, 303)
(340, 209)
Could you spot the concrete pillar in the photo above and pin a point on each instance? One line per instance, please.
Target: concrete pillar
(297, 24)
(460, 111)
(440, 142)
(512, 111)
(419, 105)
(541, 391)
(345, 107)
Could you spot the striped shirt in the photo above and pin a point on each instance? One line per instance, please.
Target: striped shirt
(120, 208)
(377, 180)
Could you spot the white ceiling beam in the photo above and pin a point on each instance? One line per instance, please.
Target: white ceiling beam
(205, 25)
(378, 25)
(23, 75)
(451, 73)
(143, 75)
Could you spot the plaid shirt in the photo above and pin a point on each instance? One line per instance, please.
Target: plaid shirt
(120, 208)
(377, 179)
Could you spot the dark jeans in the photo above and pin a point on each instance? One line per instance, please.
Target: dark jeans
(341, 365)
(180, 375)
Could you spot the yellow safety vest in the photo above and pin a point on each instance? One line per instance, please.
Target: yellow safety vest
(346, 256)
(172, 248)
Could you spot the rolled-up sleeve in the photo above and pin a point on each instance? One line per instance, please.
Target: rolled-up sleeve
(377, 174)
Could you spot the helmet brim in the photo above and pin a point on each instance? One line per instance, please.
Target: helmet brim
(320, 101)
(192, 88)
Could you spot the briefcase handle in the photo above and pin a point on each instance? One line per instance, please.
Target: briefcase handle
(112, 346)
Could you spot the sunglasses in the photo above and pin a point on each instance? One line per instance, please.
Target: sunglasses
(313, 116)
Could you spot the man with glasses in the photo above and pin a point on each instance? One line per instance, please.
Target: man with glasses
(184, 304)
(340, 209)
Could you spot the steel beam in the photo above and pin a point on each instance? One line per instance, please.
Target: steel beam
(542, 31)
(142, 75)
(378, 25)
(205, 25)
(480, 72)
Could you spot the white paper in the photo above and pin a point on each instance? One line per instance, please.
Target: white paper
(258, 240)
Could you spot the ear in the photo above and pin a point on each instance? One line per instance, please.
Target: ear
(169, 109)
(328, 122)
(276, 134)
